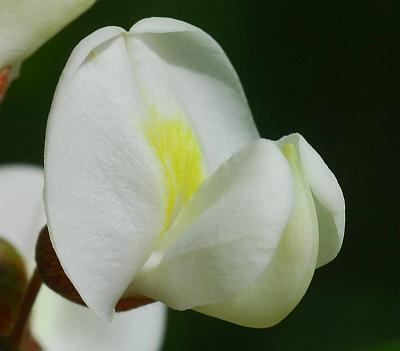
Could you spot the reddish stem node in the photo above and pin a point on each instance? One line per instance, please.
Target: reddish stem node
(4, 80)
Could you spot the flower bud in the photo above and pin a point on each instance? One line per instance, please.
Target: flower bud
(13, 282)
(54, 277)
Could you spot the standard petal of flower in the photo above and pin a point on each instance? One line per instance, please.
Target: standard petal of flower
(25, 25)
(182, 68)
(60, 325)
(231, 229)
(282, 285)
(21, 206)
(103, 184)
(328, 198)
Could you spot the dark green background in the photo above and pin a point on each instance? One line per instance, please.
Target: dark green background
(328, 69)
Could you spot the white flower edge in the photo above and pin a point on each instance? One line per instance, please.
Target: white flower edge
(328, 198)
(60, 325)
(26, 25)
(21, 207)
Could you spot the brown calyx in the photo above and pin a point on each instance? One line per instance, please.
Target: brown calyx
(54, 277)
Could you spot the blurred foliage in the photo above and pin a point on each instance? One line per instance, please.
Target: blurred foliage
(391, 346)
(328, 69)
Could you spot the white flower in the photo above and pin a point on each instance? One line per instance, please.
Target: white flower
(157, 184)
(25, 25)
(58, 324)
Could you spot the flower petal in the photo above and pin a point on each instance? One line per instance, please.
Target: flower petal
(328, 198)
(21, 206)
(103, 184)
(231, 229)
(282, 285)
(60, 325)
(177, 62)
(26, 25)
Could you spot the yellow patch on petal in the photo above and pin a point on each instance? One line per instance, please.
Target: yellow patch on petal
(178, 150)
(290, 153)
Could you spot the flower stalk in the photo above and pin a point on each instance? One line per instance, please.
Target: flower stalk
(25, 310)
